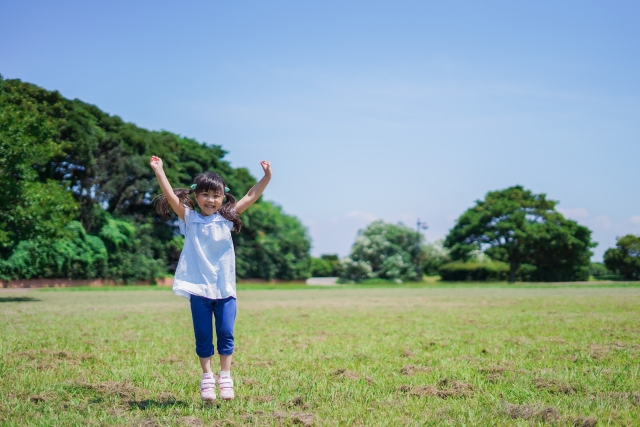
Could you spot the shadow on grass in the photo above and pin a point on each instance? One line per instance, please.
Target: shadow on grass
(155, 403)
(18, 299)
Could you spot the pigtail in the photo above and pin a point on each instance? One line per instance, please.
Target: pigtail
(163, 207)
(228, 211)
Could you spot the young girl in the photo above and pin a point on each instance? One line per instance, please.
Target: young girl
(206, 272)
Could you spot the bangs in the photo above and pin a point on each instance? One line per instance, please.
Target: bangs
(209, 182)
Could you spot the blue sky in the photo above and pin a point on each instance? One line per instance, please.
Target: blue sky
(391, 110)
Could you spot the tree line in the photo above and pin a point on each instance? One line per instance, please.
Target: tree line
(76, 202)
(512, 234)
(76, 196)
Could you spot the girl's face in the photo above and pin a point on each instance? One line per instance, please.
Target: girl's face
(209, 202)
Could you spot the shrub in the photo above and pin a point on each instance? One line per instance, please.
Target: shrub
(598, 269)
(321, 267)
(78, 255)
(433, 256)
(459, 271)
(354, 271)
(382, 250)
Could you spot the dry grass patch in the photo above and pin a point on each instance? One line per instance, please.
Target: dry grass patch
(298, 402)
(306, 419)
(554, 386)
(446, 388)
(531, 412)
(191, 422)
(584, 422)
(621, 395)
(262, 399)
(413, 369)
(346, 374)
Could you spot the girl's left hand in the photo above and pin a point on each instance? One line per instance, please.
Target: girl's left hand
(266, 167)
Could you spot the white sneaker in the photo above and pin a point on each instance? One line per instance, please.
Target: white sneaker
(226, 388)
(208, 388)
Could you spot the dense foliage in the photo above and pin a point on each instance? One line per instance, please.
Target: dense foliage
(433, 256)
(383, 251)
(328, 265)
(518, 227)
(460, 271)
(272, 245)
(624, 259)
(76, 192)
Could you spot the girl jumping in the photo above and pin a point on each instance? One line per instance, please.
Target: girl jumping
(206, 271)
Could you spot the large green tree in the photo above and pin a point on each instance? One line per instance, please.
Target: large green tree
(64, 160)
(518, 227)
(624, 259)
(272, 245)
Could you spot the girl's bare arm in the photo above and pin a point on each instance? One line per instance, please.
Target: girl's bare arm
(174, 202)
(256, 190)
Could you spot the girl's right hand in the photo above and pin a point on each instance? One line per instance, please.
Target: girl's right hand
(156, 163)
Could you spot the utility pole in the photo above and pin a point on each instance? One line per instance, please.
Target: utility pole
(419, 225)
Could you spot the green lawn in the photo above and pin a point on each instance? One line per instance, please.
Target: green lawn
(380, 355)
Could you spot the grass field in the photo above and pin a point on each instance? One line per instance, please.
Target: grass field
(425, 355)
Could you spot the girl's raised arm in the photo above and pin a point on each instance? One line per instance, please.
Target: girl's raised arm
(174, 202)
(256, 190)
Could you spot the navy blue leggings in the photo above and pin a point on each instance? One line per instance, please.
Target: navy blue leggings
(202, 311)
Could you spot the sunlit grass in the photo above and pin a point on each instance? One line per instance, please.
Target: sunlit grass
(418, 354)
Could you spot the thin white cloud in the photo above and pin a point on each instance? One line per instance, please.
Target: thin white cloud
(635, 220)
(365, 216)
(602, 222)
(574, 213)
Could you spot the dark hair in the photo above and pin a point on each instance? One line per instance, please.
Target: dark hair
(207, 181)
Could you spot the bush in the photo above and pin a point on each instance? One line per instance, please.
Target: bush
(459, 271)
(78, 255)
(382, 250)
(598, 270)
(321, 267)
(354, 271)
(433, 256)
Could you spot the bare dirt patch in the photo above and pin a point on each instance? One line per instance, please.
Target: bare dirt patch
(305, 419)
(123, 389)
(147, 422)
(250, 382)
(298, 402)
(494, 370)
(262, 399)
(408, 353)
(554, 386)
(621, 395)
(171, 359)
(191, 422)
(598, 351)
(494, 373)
(413, 369)
(345, 373)
(531, 412)
(48, 359)
(584, 422)
(446, 388)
